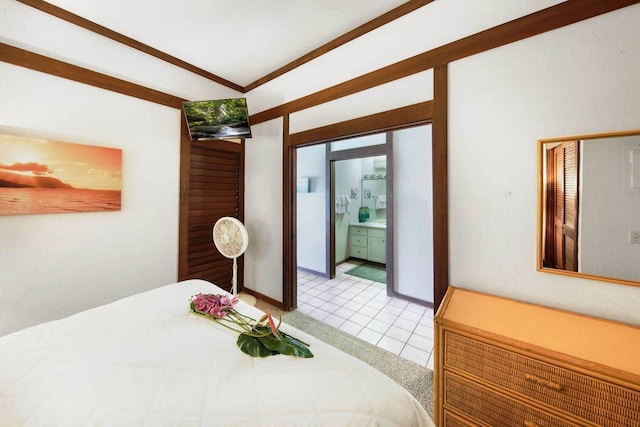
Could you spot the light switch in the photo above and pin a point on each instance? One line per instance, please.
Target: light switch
(634, 236)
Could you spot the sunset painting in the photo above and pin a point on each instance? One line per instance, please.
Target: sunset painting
(43, 176)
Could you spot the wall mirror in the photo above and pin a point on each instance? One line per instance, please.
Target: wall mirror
(589, 206)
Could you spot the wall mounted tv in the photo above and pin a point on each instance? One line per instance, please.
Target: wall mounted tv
(217, 119)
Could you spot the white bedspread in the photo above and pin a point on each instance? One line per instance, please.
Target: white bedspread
(147, 360)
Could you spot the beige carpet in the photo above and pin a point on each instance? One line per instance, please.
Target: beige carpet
(417, 379)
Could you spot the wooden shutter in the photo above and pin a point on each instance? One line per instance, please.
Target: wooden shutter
(571, 205)
(561, 240)
(212, 187)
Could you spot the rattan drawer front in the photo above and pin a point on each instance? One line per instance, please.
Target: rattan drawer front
(492, 408)
(452, 420)
(589, 398)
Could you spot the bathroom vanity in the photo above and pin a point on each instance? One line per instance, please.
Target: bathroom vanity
(367, 240)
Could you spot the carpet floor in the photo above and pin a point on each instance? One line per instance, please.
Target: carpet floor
(370, 272)
(417, 379)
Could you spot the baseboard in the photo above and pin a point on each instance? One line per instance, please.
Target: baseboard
(310, 271)
(264, 298)
(415, 300)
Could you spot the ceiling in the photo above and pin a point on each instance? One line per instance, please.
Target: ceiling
(238, 40)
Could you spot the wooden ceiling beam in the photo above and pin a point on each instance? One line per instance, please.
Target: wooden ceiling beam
(363, 29)
(23, 58)
(560, 15)
(128, 41)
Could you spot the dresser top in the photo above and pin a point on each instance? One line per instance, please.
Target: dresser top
(595, 340)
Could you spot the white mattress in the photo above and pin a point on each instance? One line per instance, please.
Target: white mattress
(146, 360)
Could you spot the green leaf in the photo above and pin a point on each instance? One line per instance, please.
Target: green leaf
(287, 345)
(253, 347)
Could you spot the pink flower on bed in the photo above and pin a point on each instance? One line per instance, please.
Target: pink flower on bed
(214, 305)
(258, 338)
(272, 326)
(200, 304)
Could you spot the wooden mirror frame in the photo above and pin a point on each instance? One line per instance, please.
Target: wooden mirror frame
(541, 205)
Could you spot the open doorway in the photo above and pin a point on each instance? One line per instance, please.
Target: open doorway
(394, 312)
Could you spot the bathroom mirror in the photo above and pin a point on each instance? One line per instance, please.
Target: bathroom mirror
(374, 190)
(589, 206)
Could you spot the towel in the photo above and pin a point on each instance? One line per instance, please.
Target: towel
(381, 202)
(340, 208)
(342, 204)
(347, 201)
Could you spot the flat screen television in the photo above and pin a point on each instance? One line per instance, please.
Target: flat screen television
(217, 119)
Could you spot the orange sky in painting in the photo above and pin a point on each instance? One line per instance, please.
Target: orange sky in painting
(82, 166)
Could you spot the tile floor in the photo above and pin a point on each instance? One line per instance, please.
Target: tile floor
(362, 308)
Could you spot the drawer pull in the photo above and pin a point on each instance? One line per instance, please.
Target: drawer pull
(528, 423)
(543, 382)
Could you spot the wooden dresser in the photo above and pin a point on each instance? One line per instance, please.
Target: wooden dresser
(506, 363)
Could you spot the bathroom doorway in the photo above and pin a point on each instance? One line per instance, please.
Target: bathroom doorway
(361, 220)
(337, 183)
(386, 173)
(333, 185)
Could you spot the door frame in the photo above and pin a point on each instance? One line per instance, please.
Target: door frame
(385, 149)
(434, 112)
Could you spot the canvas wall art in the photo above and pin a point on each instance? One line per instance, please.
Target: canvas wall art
(41, 176)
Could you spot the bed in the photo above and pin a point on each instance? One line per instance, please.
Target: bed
(147, 360)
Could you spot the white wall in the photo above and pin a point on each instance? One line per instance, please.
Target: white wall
(607, 211)
(263, 209)
(429, 27)
(55, 265)
(311, 230)
(578, 79)
(58, 39)
(413, 213)
(575, 80)
(348, 175)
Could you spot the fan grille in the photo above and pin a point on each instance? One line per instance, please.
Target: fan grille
(230, 237)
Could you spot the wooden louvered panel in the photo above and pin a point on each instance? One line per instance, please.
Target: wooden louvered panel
(212, 202)
(204, 260)
(221, 270)
(570, 225)
(199, 149)
(231, 162)
(213, 170)
(570, 184)
(204, 208)
(561, 240)
(203, 195)
(558, 213)
(222, 183)
(215, 189)
(203, 157)
(220, 265)
(559, 188)
(198, 168)
(200, 165)
(221, 178)
(199, 238)
(201, 246)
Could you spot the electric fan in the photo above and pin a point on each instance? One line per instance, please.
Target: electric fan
(231, 239)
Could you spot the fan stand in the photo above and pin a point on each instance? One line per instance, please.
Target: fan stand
(249, 299)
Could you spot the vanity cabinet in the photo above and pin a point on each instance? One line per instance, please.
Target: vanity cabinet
(376, 245)
(503, 362)
(368, 243)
